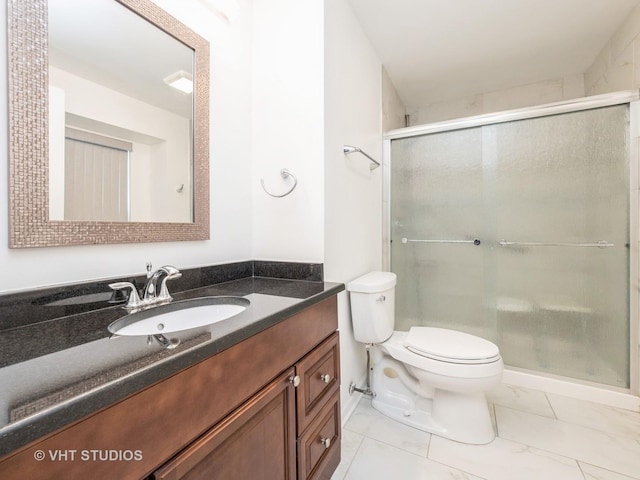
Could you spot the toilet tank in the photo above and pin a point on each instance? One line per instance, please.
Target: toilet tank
(372, 306)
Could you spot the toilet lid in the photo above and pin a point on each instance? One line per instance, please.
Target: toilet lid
(450, 345)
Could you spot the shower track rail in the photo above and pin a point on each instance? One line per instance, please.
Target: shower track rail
(600, 244)
(505, 243)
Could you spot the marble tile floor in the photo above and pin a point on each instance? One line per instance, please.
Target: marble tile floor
(541, 436)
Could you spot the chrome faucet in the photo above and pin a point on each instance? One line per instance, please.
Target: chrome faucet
(150, 296)
(150, 291)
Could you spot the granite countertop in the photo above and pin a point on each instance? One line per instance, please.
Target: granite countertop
(57, 371)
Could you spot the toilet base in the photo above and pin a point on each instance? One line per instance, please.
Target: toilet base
(461, 417)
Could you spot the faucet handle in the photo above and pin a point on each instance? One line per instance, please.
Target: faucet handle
(170, 270)
(164, 295)
(134, 298)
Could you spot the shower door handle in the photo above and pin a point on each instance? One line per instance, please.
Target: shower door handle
(475, 242)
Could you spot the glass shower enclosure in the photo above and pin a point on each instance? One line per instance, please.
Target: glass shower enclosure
(522, 228)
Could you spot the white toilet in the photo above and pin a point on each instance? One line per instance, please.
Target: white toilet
(432, 379)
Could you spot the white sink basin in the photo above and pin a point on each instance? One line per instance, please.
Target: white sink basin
(178, 316)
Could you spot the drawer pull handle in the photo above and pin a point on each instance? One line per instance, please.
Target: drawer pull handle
(295, 381)
(326, 442)
(326, 378)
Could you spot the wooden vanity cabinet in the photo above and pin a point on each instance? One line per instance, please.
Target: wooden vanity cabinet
(266, 408)
(289, 430)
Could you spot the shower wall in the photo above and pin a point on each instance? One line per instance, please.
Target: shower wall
(519, 232)
(546, 91)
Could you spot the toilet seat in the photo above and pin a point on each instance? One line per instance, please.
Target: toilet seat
(396, 348)
(450, 346)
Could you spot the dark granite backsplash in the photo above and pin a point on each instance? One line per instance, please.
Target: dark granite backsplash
(69, 315)
(312, 272)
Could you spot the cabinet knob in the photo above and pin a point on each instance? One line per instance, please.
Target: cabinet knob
(326, 442)
(294, 380)
(326, 378)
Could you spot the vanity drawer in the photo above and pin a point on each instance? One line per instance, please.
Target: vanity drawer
(319, 374)
(319, 445)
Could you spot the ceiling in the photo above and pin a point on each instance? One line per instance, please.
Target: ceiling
(437, 50)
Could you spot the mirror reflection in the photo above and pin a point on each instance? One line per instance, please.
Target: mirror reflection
(120, 116)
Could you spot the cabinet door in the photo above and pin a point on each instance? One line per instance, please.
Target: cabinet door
(256, 442)
(319, 374)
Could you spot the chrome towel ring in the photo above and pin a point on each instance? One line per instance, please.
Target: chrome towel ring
(284, 173)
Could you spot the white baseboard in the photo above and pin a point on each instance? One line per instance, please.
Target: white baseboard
(591, 393)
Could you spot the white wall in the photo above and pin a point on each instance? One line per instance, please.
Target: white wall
(617, 67)
(231, 192)
(353, 193)
(287, 122)
(393, 109)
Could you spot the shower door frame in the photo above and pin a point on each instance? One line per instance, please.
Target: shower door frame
(631, 97)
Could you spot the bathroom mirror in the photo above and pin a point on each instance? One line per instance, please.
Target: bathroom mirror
(104, 148)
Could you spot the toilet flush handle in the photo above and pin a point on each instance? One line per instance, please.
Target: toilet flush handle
(382, 298)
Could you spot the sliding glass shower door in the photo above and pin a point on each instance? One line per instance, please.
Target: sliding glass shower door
(519, 232)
